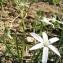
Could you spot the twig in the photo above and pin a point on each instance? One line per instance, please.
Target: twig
(16, 17)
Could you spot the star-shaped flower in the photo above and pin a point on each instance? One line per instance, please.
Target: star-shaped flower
(46, 21)
(53, 19)
(24, 4)
(45, 44)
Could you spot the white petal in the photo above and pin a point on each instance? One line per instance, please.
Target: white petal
(45, 55)
(51, 24)
(54, 49)
(58, 21)
(49, 19)
(36, 36)
(10, 36)
(52, 40)
(54, 19)
(45, 37)
(37, 46)
(46, 19)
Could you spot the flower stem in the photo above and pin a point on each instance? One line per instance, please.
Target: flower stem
(23, 43)
(41, 28)
(17, 46)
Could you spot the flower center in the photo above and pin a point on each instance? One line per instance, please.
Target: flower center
(46, 43)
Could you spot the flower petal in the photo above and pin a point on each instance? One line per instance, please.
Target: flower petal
(37, 46)
(52, 40)
(54, 49)
(10, 36)
(51, 24)
(36, 36)
(45, 19)
(45, 55)
(45, 37)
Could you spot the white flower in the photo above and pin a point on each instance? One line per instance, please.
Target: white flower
(54, 20)
(8, 34)
(24, 4)
(46, 44)
(47, 21)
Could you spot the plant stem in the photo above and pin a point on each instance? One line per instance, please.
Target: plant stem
(23, 43)
(41, 28)
(8, 47)
(34, 26)
(17, 46)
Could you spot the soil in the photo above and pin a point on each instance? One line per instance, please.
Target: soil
(9, 13)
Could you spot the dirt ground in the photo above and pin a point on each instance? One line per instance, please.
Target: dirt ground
(9, 13)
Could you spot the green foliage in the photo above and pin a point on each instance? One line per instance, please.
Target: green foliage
(2, 1)
(56, 1)
(40, 14)
(51, 1)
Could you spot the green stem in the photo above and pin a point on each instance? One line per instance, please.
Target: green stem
(8, 47)
(17, 47)
(41, 28)
(34, 26)
(23, 43)
(33, 56)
